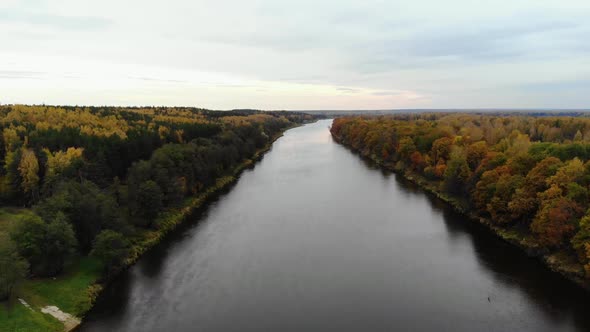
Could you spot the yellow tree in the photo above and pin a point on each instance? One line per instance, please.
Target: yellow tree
(59, 161)
(11, 139)
(29, 171)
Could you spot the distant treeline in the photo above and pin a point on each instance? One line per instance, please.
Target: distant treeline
(528, 175)
(96, 176)
(488, 112)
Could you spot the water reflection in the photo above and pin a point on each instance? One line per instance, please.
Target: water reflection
(555, 296)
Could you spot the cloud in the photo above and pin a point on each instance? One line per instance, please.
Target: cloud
(387, 93)
(485, 42)
(457, 53)
(70, 23)
(152, 79)
(20, 74)
(498, 39)
(580, 85)
(348, 90)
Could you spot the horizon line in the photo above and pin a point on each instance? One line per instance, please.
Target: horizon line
(545, 109)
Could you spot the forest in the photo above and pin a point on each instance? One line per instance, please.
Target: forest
(528, 176)
(91, 182)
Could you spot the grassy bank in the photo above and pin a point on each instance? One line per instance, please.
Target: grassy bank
(561, 261)
(38, 293)
(75, 290)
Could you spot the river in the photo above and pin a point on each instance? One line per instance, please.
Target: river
(313, 238)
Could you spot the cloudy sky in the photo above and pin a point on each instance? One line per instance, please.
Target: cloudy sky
(283, 54)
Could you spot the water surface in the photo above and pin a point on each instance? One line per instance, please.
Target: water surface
(315, 239)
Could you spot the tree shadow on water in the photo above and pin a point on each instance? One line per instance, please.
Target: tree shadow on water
(151, 263)
(556, 297)
(113, 301)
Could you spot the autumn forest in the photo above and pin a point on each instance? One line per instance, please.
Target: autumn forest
(86, 191)
(527, 177)
(92, 186)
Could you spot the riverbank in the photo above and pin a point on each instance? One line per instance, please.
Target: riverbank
(74, 292)
(561, 262)
(170, 220)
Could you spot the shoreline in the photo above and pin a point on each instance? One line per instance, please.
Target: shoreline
(559, 262)
(170, 220)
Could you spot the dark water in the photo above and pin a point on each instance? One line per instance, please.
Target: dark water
(314, 239)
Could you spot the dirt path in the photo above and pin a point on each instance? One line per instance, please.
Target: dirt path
(69, 321)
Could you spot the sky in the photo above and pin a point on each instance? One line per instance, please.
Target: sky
(296, 55)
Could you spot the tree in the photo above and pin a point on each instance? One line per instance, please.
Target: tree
(60, 243)
(525, 203)
(517, 143)
(485, 189)
(406, 148)
(13, 268)
(13, 177)
(111, 248)
(149, 202)
(506, 185)
(577, 193)
(475, 153)
(456, 173)
(29, 171)
(417, 161)
(556, 220)
(582, 239)
(29, 237)
(440, 168)
(45, 246)
(441, 148)
(11, 139)
(86, 207)
(572, 171)
(58, 162)
(61, 165)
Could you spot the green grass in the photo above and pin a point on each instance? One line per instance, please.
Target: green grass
(14, 317)
(68, 291)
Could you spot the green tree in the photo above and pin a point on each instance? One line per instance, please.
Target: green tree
(29, 236)
(111, 248)
(149, 202)
(572, 171)
(13, 268)
(60, 243)
(13, 178)
(46, 246)
(87, 208)
(582, 238)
